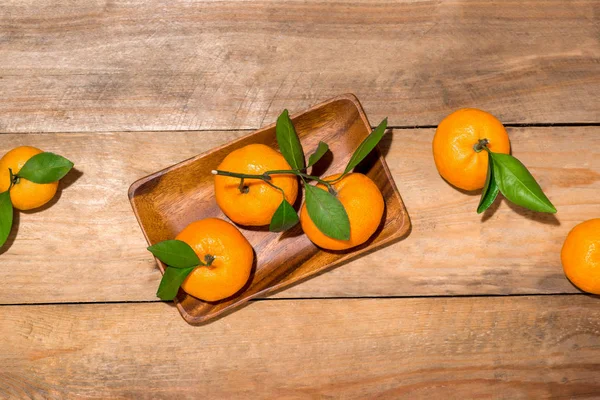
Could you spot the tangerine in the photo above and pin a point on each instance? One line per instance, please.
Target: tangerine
(454, 146)
(580, 256)
(364, 205)
(24, 195)
(231, 254)
(254, 202)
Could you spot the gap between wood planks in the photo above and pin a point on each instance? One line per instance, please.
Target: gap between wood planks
(399, 127)
(445, 296)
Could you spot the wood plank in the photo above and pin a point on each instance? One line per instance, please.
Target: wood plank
(179, 65)
(88, 246)
(504, 348)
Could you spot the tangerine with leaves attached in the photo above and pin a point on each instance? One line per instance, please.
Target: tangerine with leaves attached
(24, 194)
(252, 202)
(364, 205)
(458, 146)
(230, 254)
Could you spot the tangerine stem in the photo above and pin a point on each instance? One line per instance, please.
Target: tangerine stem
(14, 179)
(480, 145)
(243, 189)
(303, 175)
(263, 177)
(208, 259)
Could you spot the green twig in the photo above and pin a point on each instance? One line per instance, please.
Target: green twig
(266, 176)
(303, 175)
(276, 187)
(339, 178)
(244, 189)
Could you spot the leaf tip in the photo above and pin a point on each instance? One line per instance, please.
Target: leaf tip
(163, 297)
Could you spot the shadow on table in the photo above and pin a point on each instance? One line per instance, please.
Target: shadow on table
(540, 217)
(64, 183)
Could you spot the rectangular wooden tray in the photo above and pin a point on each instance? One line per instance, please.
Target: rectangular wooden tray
(167, 201)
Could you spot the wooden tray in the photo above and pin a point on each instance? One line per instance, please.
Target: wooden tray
(167, 201)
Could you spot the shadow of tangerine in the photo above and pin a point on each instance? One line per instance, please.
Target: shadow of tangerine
(64, 183)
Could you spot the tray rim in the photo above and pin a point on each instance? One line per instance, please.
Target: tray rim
(404, 228)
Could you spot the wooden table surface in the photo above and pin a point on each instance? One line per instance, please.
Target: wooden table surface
(467, 306)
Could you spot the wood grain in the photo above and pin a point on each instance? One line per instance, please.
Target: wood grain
(88, 247)
(504, 348)
(185, 65)
(166, 202)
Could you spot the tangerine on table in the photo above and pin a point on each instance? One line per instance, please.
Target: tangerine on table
(364, 205)
(256, 203)
(580, 256)
(232, 264)
(454, 154)
(24, 195)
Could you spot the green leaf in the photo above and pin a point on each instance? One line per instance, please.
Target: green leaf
(284, 218)
(171, 281)
(366, 146)
(316, 156)
(175, 253)
(327, 213)
(45, 168)
(6, 216)
(288, 141)
(518, 185)
(490, 189)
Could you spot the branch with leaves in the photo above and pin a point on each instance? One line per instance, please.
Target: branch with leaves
(323, 207)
